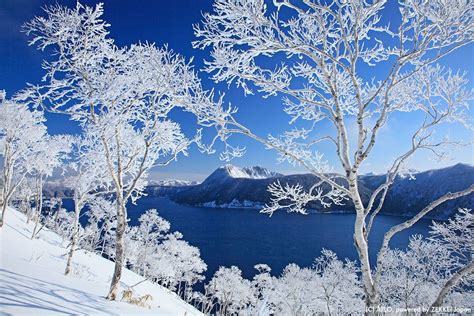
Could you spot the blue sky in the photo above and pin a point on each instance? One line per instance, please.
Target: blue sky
(170, 22)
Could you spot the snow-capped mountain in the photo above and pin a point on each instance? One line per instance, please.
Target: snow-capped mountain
(254, 172)
(233, 187)
(167, 187)
(230, 186)
(171, 183)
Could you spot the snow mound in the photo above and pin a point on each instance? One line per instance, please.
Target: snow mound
(32, 280)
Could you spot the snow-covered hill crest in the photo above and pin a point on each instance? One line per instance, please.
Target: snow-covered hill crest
(32, 280)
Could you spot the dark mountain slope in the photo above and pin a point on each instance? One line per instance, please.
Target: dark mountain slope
(224, 188)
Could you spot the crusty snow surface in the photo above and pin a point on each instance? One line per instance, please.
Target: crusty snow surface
(32, 280)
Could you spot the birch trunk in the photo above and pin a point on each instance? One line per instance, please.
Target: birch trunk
(75, 236)
(2, 216)
(39, 207)
(119, 249)
(4, 199)
(361, 244)
(452, 282)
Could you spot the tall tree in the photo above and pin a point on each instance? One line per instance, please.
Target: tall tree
(123, 95)
(315, 56)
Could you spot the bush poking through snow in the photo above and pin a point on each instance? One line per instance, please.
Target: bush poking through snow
(139, 300)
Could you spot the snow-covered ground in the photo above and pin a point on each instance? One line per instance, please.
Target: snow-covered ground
(32, 279)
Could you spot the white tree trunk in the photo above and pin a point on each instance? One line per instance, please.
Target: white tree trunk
(452, 282)
(7, 177)
(361, 243)
(119, 249)
(39, 207)
(75, 236)
(2, 216)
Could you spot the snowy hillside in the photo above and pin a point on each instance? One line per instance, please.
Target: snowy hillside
(32, 280)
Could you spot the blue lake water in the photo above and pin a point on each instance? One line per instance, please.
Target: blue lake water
(245, 237)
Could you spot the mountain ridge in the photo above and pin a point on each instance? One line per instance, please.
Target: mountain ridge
(253, 172)
(405, 197)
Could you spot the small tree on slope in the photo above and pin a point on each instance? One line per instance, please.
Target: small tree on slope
(143, 240)
(23, 196)
(89, 180)
(315, 56)
(122, 96)
(51, 154)
(21, 135)
(164, 257)
(99, 233)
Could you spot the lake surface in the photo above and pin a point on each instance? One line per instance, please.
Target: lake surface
(245, 237)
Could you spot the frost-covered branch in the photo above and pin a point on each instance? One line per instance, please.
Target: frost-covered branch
(294, 198)
(410, 222)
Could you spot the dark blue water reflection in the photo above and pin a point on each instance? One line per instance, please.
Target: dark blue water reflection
(245, 237)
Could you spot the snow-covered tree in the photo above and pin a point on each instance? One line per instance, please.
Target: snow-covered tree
(295, 291)
(457, 237)
(228, 292)
(330, 286)
(263, 284)
(143, 240)
(340, 287)
(88, 181)
(432, 272)
(53, 206)
(178, 265)
(412, 277)
(315, 55)
(157, 254)
(123, 95)
(62, 223)
(51, 155)
(21, 134)
(23, 196)
(99, 234)
(129, 154)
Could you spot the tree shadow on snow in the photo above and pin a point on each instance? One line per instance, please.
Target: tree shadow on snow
(25, 233)
(23, 292)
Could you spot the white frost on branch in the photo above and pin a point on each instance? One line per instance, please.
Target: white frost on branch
(294, 198)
